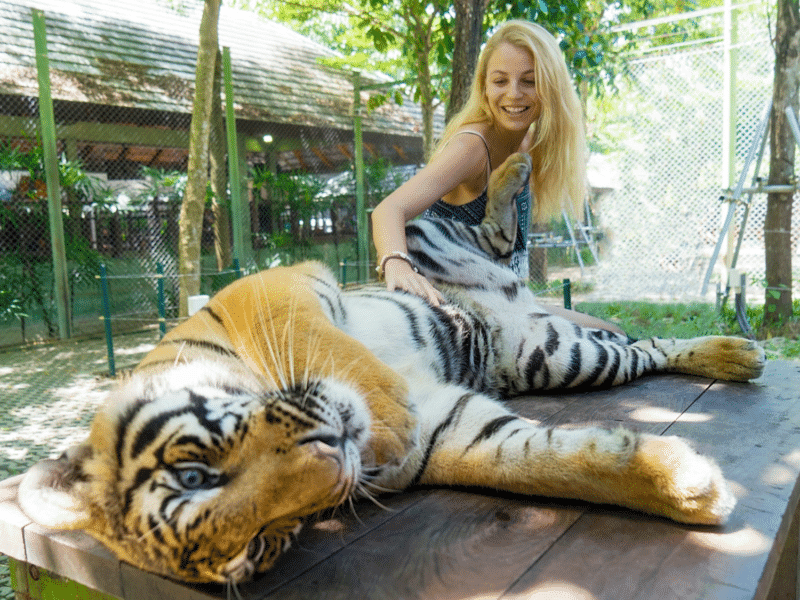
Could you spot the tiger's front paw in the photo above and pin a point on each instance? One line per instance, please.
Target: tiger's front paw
(687, 486)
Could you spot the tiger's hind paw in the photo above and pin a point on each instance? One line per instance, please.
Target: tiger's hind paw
(718, 357)
(500, 222)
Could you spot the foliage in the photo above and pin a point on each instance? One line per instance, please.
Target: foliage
(642, 320)
(161, 184)
(293, 201)
(25, 284)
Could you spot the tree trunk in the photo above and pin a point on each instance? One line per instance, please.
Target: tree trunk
(778, 222)
(220, 203)
(191, 221)
(427, 108)
(467, 46)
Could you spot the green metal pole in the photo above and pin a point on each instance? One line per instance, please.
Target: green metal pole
(235, 185)
(162, 311)
(48, 123)
(361, 213)
(567, 294)
(107, 318)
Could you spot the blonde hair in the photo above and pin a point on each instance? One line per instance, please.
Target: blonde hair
(558, 150)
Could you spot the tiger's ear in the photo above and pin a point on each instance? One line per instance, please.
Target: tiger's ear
(51, 492)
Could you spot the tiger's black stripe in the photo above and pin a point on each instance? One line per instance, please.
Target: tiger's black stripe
(150, 430)
(574, 368)
(553, 340)
(442, 330)
(213, 314)
(210, 346)
(414, 230)
(490, 430)
(123, 425)
(411, 315)
(608, 380)
(601, 363)
(452, 418)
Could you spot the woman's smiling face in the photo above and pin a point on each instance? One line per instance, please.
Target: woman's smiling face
(511, 88)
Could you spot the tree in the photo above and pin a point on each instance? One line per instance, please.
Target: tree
(220, 205)
(468, 30)
(194, 199)
(408, 39)
(777, 225)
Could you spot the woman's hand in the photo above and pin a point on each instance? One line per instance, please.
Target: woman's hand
(401, 276)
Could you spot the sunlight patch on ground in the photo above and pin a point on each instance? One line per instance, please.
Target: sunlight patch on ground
(140, 349)
(558, 589)
(778, 475)
(745, 542)
(655, 414)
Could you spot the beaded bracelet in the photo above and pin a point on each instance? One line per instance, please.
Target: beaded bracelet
(391, 255)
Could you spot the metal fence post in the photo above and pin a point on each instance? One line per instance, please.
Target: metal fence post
(238, 207)
(60, 275)
(361, 213)
(107, 319)
(162, 312)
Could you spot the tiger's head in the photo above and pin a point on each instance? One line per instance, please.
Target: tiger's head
(201, 465)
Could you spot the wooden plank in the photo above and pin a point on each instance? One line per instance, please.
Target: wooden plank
(459, 544)
(752, 432)
(12, 520)
(624, 556)
(453, 544)
(316, 543)
(75, 555)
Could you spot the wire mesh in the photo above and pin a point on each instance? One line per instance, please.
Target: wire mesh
(664, 217)
(121, 80)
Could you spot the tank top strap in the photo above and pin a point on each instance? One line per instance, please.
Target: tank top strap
(485, 145)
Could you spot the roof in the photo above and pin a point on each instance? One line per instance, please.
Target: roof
(142, 55)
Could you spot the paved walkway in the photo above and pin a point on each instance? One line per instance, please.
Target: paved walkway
(49, 393)
(48, 396)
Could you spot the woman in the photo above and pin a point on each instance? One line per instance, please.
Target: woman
(522, 100)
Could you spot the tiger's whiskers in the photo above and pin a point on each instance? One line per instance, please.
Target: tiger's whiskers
(232, 590)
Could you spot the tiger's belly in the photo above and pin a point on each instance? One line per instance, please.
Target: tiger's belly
(447, 344)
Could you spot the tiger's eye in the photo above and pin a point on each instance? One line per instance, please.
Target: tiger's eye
(191, 478)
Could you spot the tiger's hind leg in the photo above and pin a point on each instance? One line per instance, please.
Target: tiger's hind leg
(471, 440)
(499, 224)
(537, 351)
(717, 357)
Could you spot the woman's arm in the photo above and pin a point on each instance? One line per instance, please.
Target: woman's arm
(462, 160)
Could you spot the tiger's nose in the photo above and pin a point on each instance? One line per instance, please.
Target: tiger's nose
(325, 445)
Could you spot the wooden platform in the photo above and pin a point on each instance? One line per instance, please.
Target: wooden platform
(465, 544)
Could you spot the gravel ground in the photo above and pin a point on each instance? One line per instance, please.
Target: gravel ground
(48, 395)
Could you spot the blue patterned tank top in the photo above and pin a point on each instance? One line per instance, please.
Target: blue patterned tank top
(472, 213)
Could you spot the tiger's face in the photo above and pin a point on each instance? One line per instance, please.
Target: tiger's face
(208, 482)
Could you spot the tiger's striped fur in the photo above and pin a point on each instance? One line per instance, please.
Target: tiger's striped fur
(285, 396)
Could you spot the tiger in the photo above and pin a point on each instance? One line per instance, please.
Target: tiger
(286, 396)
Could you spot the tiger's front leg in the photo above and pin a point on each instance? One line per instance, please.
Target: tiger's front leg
(471, 440)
